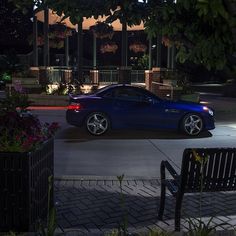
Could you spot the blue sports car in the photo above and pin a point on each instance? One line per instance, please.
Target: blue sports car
(125, 106)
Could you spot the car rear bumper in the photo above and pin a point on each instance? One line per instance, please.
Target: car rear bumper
(75, 118)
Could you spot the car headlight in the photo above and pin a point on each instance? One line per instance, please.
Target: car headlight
(207, 109)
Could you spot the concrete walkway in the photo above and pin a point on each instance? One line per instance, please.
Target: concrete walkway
(94, 206)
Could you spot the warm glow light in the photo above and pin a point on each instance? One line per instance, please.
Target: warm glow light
(204, 102)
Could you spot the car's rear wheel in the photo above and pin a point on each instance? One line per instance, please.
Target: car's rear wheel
(192, 124)
(97, 123)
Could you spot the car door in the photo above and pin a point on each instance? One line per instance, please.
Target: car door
(133, 108)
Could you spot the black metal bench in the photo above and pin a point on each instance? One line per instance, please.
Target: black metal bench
(218, 168)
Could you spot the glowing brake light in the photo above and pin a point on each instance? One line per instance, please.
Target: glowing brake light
(74, 106)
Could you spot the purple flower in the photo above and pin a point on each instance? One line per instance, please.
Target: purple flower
(23, 133)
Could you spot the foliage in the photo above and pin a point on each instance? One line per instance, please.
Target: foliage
(196, 227)
(123, 229)
(109, 47)
(102, 30)
(51, 226)
(57, 34)
(16, 100)
(143, 62)
(206, 39)
(20, 131)
(59, 30)
(138, 47)
(10, 63)
(64, 88)
(131, 12)
(6, 77)
(14, 26)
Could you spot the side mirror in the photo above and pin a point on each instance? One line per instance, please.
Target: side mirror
(148, 100)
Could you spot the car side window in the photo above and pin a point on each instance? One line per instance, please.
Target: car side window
(108, 94)
(128, 94)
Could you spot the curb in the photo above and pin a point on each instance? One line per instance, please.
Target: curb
(101, 178)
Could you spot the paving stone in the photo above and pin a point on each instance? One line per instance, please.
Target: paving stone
(94, 206)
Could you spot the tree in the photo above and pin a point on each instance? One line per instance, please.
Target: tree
(201, 30)
(129, 12)
(75, 10)
(15, 28)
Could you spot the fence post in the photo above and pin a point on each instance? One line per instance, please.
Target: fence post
(94, 76)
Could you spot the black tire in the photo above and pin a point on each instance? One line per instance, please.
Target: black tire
(192, 124)
(97, 123)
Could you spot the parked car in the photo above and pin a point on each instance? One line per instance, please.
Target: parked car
(125, 106)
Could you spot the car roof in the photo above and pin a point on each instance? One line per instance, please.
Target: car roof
(117, 85)
(108, 87)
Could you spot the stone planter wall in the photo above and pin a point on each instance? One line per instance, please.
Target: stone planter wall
(24, 187)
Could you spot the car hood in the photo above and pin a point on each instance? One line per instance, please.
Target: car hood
(184, 105)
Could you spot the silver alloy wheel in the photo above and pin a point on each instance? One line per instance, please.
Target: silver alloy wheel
(97, 123)
(192, 124)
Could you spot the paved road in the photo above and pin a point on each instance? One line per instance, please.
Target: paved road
(134, 153)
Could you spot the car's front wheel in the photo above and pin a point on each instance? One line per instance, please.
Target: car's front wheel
(97, 123)
(192, 124)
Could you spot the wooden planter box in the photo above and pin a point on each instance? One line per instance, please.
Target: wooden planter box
(24, 187)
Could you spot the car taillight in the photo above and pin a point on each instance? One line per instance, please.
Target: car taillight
(74, 106)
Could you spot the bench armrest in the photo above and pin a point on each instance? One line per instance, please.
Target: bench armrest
(171, 170)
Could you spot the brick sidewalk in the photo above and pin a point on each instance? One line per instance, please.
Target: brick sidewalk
(94, 206)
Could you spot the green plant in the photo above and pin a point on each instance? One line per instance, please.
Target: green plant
(197, 227)
(143, 62)
(6, 77)
(114, 232)
(102, 30)
(10, 63)
(123, 229)
(17, 100)
(20, 131)
(51, 225)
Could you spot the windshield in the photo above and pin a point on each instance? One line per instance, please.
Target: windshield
(100, 90)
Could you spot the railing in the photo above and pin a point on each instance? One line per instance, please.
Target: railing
(137, 76)
(67, 74)
(111, 76)
(108, 76)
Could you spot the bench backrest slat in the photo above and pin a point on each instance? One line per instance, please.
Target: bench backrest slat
(218, 166)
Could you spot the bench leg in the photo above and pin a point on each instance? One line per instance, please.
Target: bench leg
(162, 201)
(178, 206)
